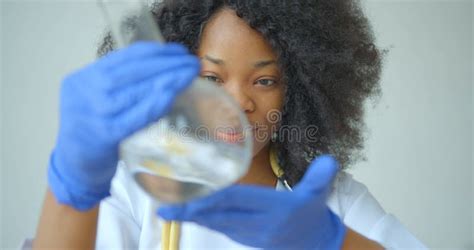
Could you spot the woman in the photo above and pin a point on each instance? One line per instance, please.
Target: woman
(313, 61)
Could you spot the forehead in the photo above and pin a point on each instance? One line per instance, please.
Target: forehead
(227, 35)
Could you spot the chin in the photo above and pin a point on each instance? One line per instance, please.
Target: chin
(258, 147)
(260, 143)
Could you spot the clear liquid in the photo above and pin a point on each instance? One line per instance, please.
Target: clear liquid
(173, 169)
(168, 190)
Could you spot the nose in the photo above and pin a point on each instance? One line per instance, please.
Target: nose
(241, 95)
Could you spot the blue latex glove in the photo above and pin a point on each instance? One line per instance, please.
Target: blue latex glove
(265, 218)
(105, 102)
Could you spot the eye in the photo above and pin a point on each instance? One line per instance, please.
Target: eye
(266, 82)
(212, 78)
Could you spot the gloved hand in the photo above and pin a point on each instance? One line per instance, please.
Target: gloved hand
(105, 102)
(269, 219)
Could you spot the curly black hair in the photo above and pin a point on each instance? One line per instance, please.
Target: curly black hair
(327, 56)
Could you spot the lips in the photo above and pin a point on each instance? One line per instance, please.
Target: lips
(230, 137)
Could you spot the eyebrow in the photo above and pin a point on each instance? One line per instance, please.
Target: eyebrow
(262, 64)
(214, 60)
(259, 64)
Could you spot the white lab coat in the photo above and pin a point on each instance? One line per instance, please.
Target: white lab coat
(127, 219)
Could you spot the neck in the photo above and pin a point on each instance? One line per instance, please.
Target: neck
(260, 171)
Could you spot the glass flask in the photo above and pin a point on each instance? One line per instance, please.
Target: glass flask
(202, 145)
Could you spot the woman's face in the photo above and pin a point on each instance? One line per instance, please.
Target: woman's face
(240, 60)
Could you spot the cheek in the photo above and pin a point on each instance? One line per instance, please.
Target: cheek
(263, 135)
(270, 107)
(267, 117)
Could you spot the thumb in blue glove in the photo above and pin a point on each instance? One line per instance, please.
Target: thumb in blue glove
(265, 218)
(103, 103)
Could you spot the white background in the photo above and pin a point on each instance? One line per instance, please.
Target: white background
(419, 147)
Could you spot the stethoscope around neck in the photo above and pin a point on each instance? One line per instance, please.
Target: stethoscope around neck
(277, 170)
